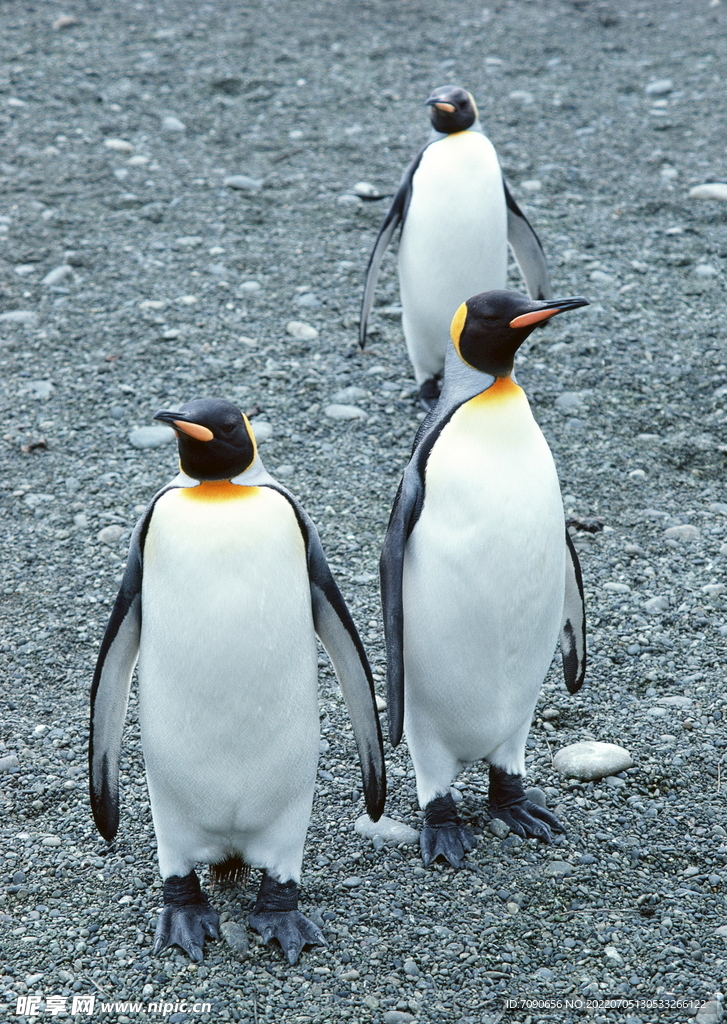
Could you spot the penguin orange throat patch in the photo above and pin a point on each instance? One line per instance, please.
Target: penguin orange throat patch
(218, 490)
(502, 390)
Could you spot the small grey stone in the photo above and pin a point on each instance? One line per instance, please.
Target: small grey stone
(80, 520)
(366, 190)
(308, 300)
(235, 935)
(569, 401)
(41, 389)
(57, 275)
(18, 877)
(51, 841)
(684, 531)
(558, 869)
(710, 190)
(344, 412)
(301, 331)
(110, 534)
(173, 124)
(285, 470)
(411, 970)
(151, 437)
(659, 87)
(397, 1017)
(536, 796)
(262, 430)
(119, 145)
(19, 316)
(349, 394)
(601, 277)
(8, 762)
(348, 199)
(614, 782)
(705, 270)
(676, 700)
(591, 759)
(655, 605)
(617, 588)
(248, 287)
(521, 96)
(722, 930)
(243, 183)
(544, 973)
(710, 1012)
(380, 703)
(498, 828)
(391, 832)
(352, 882)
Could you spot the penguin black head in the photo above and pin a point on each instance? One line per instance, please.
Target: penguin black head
(453, 109)
(215, 439)
(488, 329)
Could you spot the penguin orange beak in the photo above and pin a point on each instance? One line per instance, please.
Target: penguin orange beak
(448, 108)
(546, 310)
(176, 420)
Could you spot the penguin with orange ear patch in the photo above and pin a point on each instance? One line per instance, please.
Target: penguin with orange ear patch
(225, 588)
(457, 216)
(479, 578)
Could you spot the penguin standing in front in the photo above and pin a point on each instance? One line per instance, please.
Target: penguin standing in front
(225, 588)
(457, 216)
(479, 578)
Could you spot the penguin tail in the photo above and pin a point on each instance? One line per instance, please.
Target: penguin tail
(231, 871)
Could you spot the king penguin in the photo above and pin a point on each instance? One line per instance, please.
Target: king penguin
(225, 587)
(479, 578)
(457, 216)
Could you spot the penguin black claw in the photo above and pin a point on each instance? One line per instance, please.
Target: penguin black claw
(187, 918)
(291, 929)
(443, 834)
(508, 803)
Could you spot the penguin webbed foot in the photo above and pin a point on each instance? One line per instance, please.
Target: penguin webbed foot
(508, 803)
(429, 393)
(276, 916)
(187, 918)
(443, 834)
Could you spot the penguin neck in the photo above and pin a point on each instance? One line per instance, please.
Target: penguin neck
(462, 381)
(435, 136)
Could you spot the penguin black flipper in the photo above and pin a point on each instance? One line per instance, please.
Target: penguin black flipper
(527, 250)
(338, 634)
(111, 685)
(394, 217)
(573, 627)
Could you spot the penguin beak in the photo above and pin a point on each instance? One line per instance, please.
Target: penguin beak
(546, 310)
(185, 426)
(448, 108)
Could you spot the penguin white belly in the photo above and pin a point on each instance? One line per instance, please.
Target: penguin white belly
(228, 679)
(453, 244)
(484, 577)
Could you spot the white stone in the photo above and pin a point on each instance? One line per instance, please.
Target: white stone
(601, 277)
(685, 531)
(19, 316)
(250, 286)
(366, 190)
(344, 412)
(243, 183)
(262, 430)
(353, 393)
(380, 703)
(41, 389)
(659, 87)
(710, 190)
(613, 954)
(705, 270)
(247, 341)
(173, 124)
(591, 759)
(119, 145)
(521, 96)
(656, 604)
(393, 833)
(8, 762)
(568, 401)
(23, 269)
(710, 1012)
(531, 185)
(712, 589)
(151, 437)
(617, 588)
(57, 275)
(558, 869)
(301, 331)
(51, 841)
(110, 534)
(676, 700)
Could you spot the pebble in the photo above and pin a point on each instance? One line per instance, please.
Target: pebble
(411, 970)
(344, 412)
(8, 762)
(676, 701)
(41, 389)
(601, 277)
(391, 832)
(613, 954)
(285, 470)
(536, 796)
(498, 828)
(709, 1012)
(151, 437)
(544, 973)
(64, 21)
(558, 869)
(705, 270)
(308, 300)
(521, 96)
(710, 190)
(380, 703)
(243, 183)
(659, 87)
(617, 588)
(722, 930)
(110, 534)
(531, 185)
(80, 520)
(19, 316)
(713, 589)
(352, 882)
(397, 1017)
(57, 275)
(301, 331)
(262, 430)
(235, 935)
(173, 124)
(350, 394)
(569, 401)
(365, 190)
(655, 605)
(591, 760)
(119, 145)
(684, 531)
(51, 841)
(250, 286)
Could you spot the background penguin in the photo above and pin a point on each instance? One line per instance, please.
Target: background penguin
(478, 577)
(457, 216)
(225, 587)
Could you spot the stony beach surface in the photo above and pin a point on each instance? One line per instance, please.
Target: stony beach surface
(183, 214)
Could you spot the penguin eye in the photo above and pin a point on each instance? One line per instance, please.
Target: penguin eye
(227, 428)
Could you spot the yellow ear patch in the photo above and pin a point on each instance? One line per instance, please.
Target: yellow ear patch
(457, 326)
(251, 435)
(474, 105)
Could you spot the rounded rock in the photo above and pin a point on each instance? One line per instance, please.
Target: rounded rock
(110, 534)
(301, 331)
(710, 190)
(151, 437)
(344, 412)
(243, 183)
(389, 831)
(591, 759)
(235, 935)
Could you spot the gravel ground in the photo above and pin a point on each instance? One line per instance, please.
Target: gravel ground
(121, 128)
